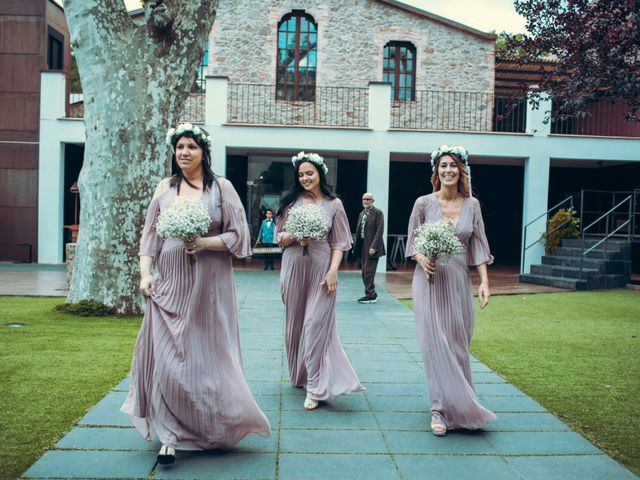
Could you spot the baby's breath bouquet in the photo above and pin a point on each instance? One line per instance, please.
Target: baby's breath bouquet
(307, 222)
(185, 219)
(437, 239)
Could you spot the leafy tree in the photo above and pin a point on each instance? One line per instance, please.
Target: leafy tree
(596, 45)
(135, 80)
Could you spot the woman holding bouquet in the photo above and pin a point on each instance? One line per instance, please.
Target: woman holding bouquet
(308, 282)
(187, 380)
(444, 309)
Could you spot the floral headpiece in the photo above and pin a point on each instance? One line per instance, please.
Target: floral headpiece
(180, 130)
(314, 158)
(458, 151)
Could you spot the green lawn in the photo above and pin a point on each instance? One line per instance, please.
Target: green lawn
(578, 354)
(52, 371)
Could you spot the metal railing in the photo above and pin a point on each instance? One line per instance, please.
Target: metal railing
(258, 104)
(194, 107)
(609, 218)
(526, 247)
(444, 110)
(605, 118)
(594, 202)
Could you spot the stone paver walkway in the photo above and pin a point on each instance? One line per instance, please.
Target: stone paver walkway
(378, 434)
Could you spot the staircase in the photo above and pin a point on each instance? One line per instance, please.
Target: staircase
(606, 266)
(601, 256)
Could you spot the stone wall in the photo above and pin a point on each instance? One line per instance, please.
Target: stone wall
(351, 39)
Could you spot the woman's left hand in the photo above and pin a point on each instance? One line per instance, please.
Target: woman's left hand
(483, 294)
(330, 281)
(194, 246)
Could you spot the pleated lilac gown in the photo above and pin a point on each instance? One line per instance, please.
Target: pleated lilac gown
(444, 316)
(187, 380)
(316, 358)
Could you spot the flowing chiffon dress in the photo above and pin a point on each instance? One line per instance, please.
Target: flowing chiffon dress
(187, 380)
(316, 358)
(444, 316)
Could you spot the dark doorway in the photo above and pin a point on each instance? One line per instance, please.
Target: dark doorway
(499, 189)
(73, 158)
(351, 184)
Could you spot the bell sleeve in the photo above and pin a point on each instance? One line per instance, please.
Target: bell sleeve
(415, 220)
(478, 249)
(339, 237)
(279, 229)
(234, 222)
(150, 241)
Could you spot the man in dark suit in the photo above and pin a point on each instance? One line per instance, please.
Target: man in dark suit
(369, 246)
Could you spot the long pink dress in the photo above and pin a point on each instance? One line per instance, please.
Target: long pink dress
(444, 316)
(317, 360)
(187, 380)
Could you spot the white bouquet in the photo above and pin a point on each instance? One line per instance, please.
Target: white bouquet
(437, 239)
(307, 222)
(185, 219)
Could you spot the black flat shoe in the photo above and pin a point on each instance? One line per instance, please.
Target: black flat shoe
(166, 455)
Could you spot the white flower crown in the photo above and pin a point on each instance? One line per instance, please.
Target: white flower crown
(459, 151)
(314, 158)
(181, 129)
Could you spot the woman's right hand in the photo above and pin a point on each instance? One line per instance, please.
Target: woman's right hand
(147, 285)
(428, 265)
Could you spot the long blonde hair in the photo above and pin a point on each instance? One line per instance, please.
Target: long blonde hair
(463, 179)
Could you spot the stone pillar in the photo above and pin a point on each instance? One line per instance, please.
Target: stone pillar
(379, 105)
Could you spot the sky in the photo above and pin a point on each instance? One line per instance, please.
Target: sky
(485, 15)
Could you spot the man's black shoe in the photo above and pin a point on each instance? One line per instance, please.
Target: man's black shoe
(368, 299)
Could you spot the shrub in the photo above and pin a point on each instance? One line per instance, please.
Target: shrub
(568, 226)
(86, 308)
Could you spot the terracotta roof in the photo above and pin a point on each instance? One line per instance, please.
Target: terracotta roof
(437, 18)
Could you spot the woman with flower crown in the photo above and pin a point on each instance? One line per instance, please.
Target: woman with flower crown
(308, 284)
(444, 309)
(187, 381)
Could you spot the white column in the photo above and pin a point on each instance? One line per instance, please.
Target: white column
(536, 184)
(379, 105)
(535, 117)
(378, 185)
(51, 168)
(536, 191)
(215, 118)
(216, 101)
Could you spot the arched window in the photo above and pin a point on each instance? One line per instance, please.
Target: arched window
(399, 68)
(297, 51)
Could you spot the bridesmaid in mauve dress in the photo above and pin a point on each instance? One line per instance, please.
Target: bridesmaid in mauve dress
(308, 284)
(444, 309)
(187, 380)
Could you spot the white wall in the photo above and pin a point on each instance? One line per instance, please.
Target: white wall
(536, 149)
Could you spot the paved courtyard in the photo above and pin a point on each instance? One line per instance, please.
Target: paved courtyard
(378, 434)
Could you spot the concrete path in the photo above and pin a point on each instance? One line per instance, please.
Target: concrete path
(378, 434)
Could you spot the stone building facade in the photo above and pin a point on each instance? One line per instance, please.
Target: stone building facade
(351, 38)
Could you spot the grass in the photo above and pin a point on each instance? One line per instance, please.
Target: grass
(53, 370)
(578, 354)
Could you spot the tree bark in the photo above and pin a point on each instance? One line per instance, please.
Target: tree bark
(135, 82)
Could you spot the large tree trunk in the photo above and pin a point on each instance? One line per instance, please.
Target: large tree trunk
(135, 81)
